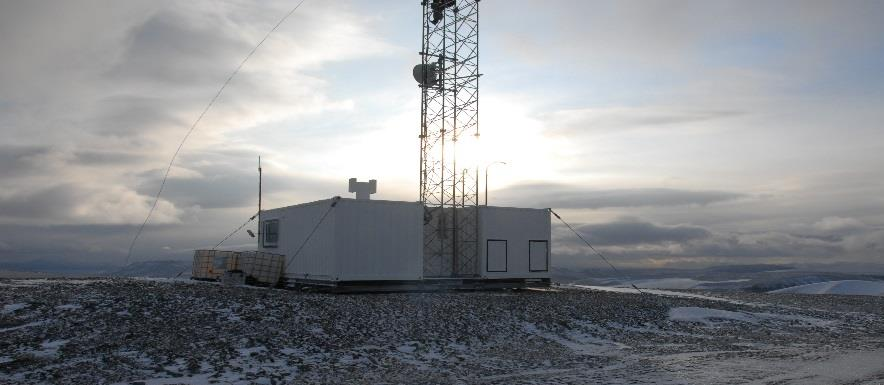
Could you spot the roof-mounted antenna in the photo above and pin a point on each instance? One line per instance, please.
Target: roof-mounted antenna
(259, 199)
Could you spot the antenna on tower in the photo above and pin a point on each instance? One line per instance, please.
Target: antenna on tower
(448, 76)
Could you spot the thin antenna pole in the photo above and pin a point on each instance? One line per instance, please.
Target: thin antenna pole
(260, 225)
(259, 184)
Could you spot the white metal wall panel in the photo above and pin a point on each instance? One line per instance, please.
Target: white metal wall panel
(317, 259)
(518, 226)
(379, 240)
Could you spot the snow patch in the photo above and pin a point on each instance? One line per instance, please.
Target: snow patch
(248, 352)
(708, 316)
(7, 309)
(668, 283)
(27, 325)
(48, 349)
(579, 342)
(842, 368)
(407, 348)
(630, 290)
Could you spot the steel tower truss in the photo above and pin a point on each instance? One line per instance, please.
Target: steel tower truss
(449, 117)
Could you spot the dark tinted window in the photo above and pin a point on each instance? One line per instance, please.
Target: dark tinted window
(271, 233)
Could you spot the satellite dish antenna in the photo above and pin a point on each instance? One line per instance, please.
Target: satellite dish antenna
(427, 75)
(438, 8)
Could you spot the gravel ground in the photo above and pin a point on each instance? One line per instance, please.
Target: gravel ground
(126, 331)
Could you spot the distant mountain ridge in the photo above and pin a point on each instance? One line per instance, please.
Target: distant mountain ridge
(154, 269)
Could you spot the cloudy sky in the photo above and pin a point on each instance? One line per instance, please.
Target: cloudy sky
(671, 133)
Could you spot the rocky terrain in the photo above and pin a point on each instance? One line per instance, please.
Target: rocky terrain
(141, 331)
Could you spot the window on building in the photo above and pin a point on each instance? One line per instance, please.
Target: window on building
(271, 233)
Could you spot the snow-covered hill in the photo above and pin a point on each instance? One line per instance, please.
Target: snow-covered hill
(849, 287)
(754, 278)
(167, 331)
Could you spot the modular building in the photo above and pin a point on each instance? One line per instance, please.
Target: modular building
(345, 242)
(356, 240)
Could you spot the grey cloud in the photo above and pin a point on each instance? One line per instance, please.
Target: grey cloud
(105, 157)
(572, 197)
(869, 243)
(633, 242)
(21, 160)
(108, 243)
(217, 190)
(129, 115)
(228, 178)
(838, 225)
(80, 203)
(571, 122)
(169, 48)
(44, 203)
(832, 229)
(825, 237)
(713, 249)
(673, 117)
(74, 243)
(635, 232)
(665, 34)
(771, 244)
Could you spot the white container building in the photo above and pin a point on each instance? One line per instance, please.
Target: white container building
(361, 242)
(358, 240)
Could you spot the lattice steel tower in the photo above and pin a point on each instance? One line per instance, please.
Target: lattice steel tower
(449, 80)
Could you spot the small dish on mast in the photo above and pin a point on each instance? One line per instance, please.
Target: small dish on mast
(427, 75)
